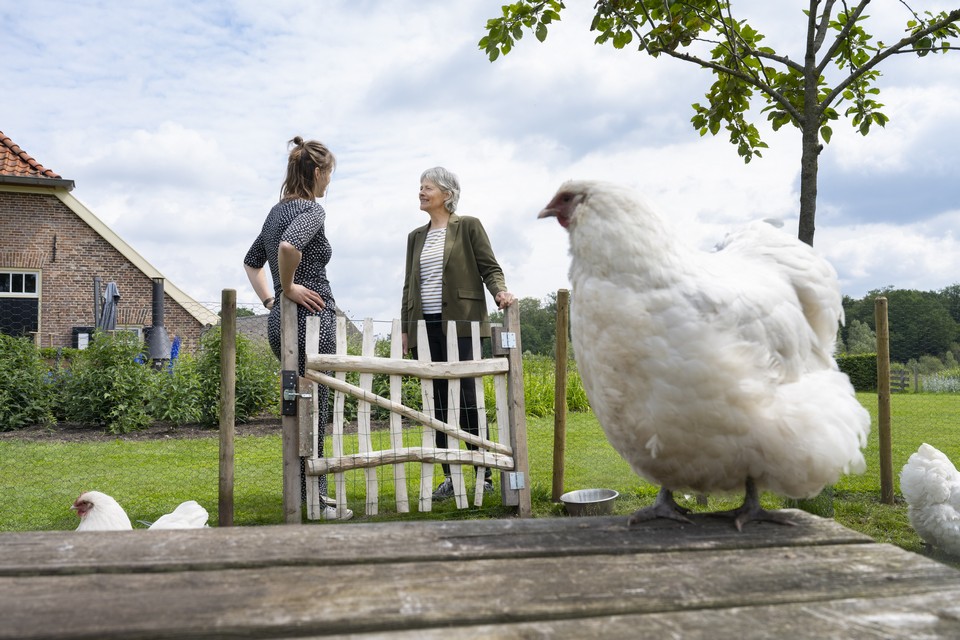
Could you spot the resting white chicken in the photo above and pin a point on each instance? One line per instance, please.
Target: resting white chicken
(931, 486)
(708, 371)
(100, 512)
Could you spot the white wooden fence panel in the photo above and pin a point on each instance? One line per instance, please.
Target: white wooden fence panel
(338, 406)
(481, 412)
(396, 424)
(429, 436)
(453, 415)
(363, 420)
(495, 455)
(309, 443)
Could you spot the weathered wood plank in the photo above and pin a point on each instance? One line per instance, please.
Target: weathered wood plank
(408, 595)
(373, 459)
(420, 369)
(70, 552)
(906, 617)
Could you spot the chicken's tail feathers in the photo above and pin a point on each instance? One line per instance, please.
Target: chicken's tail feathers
(187, 515)
(928, 477)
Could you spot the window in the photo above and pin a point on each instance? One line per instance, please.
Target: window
(19, 302)
(19, 284)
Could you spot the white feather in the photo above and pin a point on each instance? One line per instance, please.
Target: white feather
(931, 486)
(187, 515)
(705, 368)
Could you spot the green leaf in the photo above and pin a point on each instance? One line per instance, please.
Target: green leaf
(825, 133)
(541, 32)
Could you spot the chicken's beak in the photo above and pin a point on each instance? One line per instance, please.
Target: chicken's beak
(547, 212)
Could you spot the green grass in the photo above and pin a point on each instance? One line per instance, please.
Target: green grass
(150, 477)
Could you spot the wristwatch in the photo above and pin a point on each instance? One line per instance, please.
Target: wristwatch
(268, 302)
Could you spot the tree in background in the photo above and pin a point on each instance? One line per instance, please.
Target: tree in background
(861, 338)
(835, 67)
(538, 324)
(919, 321)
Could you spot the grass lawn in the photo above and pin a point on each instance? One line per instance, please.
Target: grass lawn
(150, 477)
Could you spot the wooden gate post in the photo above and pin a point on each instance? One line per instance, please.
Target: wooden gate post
(560, 394)
(883, 401)
(289, 350)
(228, 402)
(518, 415)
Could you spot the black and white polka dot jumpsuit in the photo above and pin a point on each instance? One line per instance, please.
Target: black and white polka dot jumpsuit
(301, 223)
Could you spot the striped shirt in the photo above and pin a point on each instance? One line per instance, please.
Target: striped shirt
(431, 271)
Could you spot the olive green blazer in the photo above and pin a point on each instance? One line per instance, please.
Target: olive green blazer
(468, 266)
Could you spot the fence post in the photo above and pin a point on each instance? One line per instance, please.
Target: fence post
(883, 401)
(560, 394)
(228, 397)
(518, 413)
(289, 361)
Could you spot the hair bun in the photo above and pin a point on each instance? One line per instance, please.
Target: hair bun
(297, 140)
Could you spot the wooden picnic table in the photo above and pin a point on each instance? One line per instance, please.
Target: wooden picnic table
(513, 578)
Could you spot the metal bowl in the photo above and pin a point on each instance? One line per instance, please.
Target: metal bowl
(589, 502)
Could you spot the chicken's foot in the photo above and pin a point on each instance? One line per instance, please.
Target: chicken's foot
(751, 510)
(663, 507)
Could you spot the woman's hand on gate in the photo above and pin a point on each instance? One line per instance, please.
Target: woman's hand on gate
(307, 298)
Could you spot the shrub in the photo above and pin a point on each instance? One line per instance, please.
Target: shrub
(107, 385)
(26, 397)
(862, 369)
(258, 378)
(176, 392)
(943, 382)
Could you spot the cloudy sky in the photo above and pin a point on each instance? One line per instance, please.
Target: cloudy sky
(172, 118)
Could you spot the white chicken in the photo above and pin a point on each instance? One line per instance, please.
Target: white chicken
(100, 512)
(931, 486)
(708, 371)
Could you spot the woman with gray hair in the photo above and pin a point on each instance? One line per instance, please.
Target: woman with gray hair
(449, 261)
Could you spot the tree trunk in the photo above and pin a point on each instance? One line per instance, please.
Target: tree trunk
(809, 166)
(810, 131)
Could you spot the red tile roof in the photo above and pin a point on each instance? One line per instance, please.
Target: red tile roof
(16, 162)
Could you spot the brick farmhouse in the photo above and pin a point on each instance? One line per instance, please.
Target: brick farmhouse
(55, 254)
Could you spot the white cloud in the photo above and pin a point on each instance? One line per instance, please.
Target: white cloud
(173, 122)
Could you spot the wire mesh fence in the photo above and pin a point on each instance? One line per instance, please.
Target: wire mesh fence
(44, 465)
(151, 467)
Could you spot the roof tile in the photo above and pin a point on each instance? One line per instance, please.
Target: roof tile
(14, 161)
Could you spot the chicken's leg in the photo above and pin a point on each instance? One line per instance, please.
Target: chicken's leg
(663, 507)
(751, 510)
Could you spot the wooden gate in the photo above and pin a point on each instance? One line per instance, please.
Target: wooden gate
(508, 452)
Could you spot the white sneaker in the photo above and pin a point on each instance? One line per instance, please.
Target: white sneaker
(331, 514)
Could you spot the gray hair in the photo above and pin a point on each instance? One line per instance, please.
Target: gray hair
(447, 182)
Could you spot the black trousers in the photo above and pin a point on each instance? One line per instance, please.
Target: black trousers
(469, 420)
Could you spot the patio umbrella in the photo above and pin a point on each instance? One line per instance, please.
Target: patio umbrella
(108, 318)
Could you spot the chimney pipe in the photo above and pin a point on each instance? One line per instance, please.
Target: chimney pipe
(158, 342)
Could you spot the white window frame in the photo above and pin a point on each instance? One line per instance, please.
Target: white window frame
(21, 272)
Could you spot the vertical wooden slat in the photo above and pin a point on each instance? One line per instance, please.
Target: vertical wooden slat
(338, 402)
(509, 497)
(883, 401)
(308, 419)
(429, 435)
(396, 425)
(518, 409)
(363, 420)
(560, 394)
(453, 416)
(481, 410)
(228, 398)
(289, 349)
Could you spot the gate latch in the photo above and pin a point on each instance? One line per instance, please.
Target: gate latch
(288, 383)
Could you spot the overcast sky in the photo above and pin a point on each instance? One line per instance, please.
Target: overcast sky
(172, 118)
